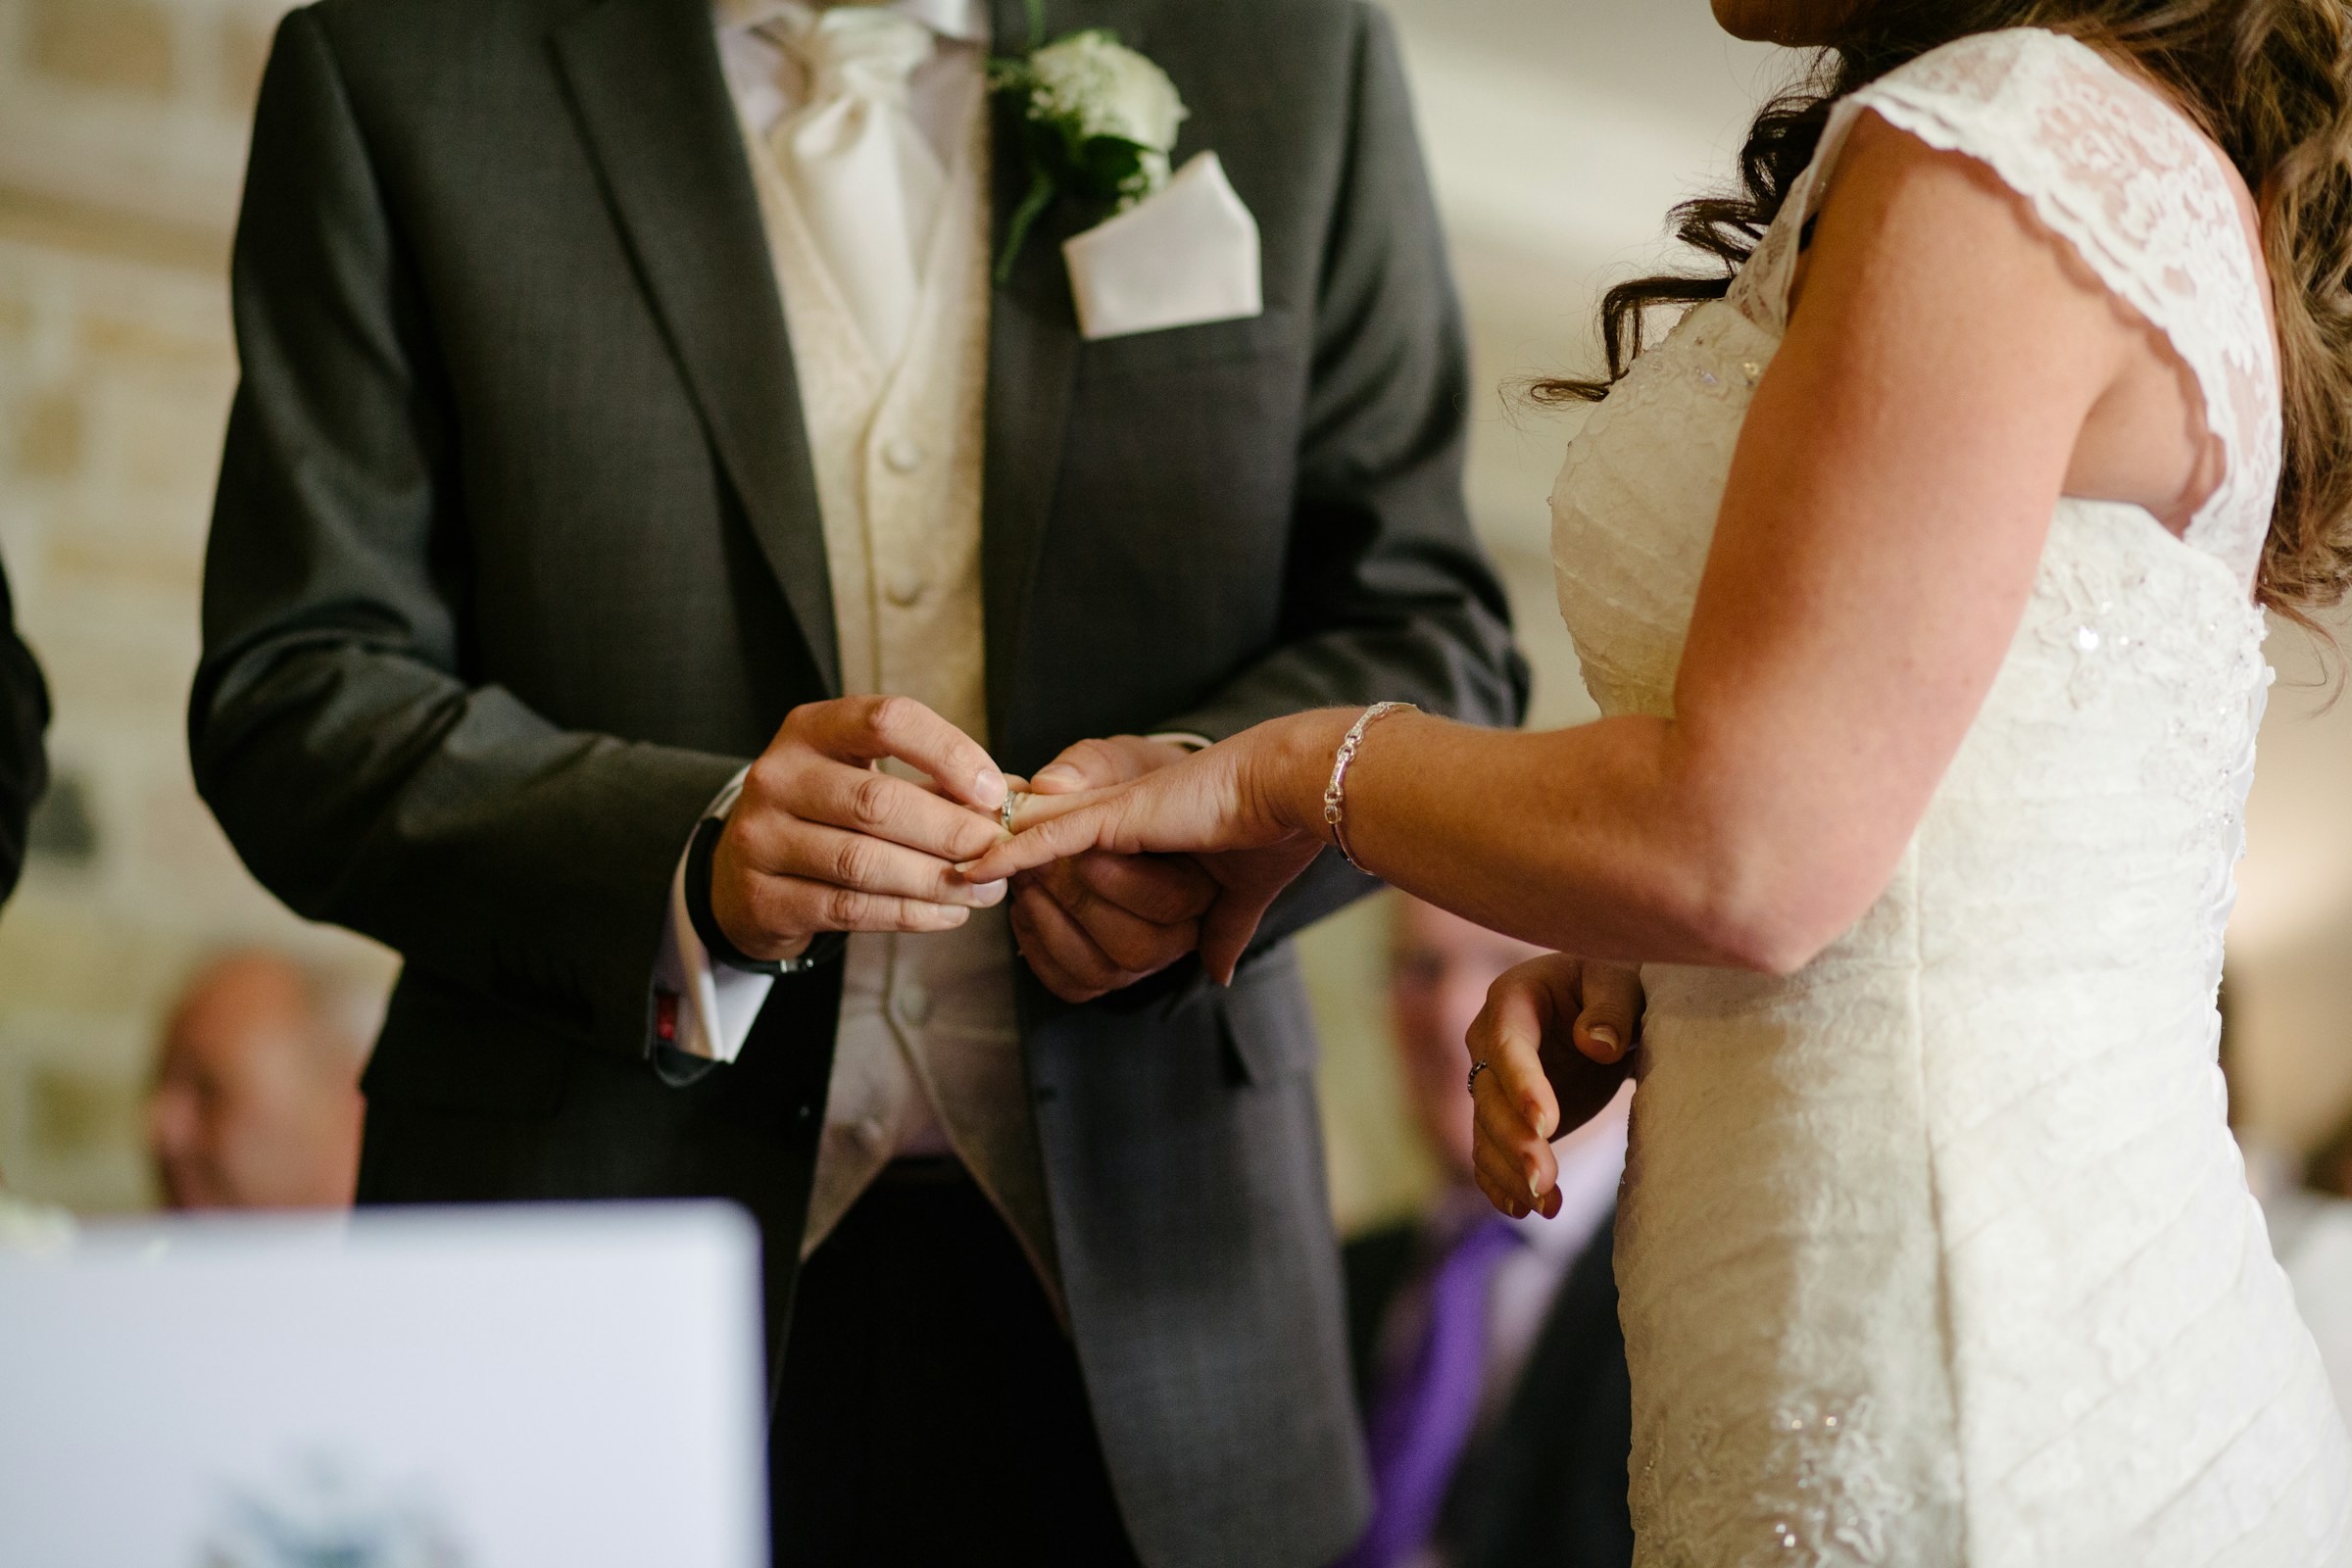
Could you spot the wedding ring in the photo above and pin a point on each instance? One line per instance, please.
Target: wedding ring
(1013, 802)
(1475, 1068)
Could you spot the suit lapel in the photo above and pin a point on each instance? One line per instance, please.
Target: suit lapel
(656, 117)
(1032, 362)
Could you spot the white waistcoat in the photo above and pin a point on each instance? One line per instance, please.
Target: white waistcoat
(928, 1057)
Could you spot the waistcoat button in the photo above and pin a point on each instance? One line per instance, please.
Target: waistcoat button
(903, 454)
(912, 1004)
(904, 582)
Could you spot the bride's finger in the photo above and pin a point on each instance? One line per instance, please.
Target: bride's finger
(1500, 1100)
(1605, 1029)
(1030, 810)
(1501, 1200)
(1519, 1164)
(1508, 1036)
(1051, 827)
(1499, 1176)
(1227, 930)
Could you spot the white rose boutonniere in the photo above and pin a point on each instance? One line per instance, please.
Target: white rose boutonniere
(1099, 122)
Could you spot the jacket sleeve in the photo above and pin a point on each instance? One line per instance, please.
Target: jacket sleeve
(1387, 594)
(23, 765)
(333, 727)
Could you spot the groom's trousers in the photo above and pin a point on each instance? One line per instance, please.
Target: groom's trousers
(931, 1409)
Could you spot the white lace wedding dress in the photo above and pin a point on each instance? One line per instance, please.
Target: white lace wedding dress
(1939, 1252)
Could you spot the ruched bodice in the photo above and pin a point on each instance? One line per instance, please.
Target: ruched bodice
(1939, 1252)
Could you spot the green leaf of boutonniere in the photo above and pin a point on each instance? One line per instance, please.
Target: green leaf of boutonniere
(1098, 122)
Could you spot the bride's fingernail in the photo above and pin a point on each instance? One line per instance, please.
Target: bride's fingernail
(1060, 777)
(989, 786)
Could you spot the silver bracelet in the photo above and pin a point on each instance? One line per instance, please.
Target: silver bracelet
(1335, 794)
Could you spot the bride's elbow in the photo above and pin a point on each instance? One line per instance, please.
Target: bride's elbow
(1762, 941)
(1769, 914)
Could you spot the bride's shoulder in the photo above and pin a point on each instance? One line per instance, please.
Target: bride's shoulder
(1984, 65)
(2031, 88)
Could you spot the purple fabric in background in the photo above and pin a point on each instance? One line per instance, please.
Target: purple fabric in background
(1421, 1420)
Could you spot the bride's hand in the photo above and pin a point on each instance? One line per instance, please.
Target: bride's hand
(1554, 1034)
(1240, 807)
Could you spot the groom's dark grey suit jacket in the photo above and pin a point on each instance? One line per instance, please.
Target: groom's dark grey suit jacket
(517, 558)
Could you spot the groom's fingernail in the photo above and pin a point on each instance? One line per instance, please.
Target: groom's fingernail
(1602, 1035)
(1060, 777)
(989, 786)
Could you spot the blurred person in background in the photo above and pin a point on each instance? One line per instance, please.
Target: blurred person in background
(1483, 1339)
(2304, 1210)
(23, 775)
(2329, 1171)
(23, 765)
(257, 1101)
(2305, 1205)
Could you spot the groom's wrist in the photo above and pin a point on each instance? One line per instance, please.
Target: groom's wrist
(701, 913)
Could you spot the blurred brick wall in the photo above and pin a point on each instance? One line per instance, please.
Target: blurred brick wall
(123, 127)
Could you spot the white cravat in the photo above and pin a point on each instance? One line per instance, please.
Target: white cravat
(865, 179)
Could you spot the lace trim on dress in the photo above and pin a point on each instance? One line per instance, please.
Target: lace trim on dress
(2115, 169)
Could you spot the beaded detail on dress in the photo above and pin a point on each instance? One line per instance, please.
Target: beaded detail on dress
(1939, 1252)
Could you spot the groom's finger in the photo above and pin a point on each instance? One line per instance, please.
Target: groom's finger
(864, 801)
(1089, 765)
(870, 865)
(1066, 958)
(867, 730)
(796, 904)
(1137, 946)
(1160, 889)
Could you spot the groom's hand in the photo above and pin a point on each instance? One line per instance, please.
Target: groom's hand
(1101, 922)
(821, 840)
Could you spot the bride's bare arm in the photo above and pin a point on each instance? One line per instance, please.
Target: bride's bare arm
(1949, 372)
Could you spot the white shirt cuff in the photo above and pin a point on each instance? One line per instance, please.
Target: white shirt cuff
(703, 1009)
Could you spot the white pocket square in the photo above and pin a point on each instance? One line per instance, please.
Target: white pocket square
(1185, 257)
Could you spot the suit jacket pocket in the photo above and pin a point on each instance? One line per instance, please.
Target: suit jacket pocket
(449, 1047)
(1267, 1020)
(1214, 343)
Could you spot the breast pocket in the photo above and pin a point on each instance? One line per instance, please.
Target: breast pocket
(1180, 464)
(1179, 348)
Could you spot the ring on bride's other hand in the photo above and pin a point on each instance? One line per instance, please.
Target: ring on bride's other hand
(1013, 804)
(1475, 1068)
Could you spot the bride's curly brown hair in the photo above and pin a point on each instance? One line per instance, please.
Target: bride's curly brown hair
(2268, 80)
